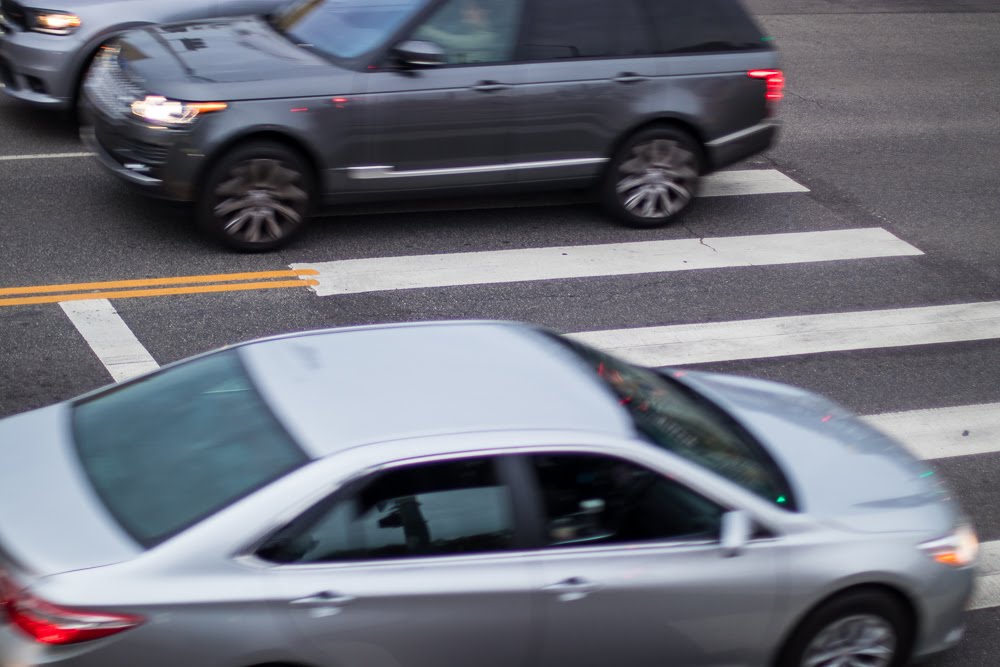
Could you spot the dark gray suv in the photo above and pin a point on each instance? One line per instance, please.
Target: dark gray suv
(260, 121)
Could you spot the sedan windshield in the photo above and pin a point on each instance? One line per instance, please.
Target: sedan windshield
(677, 419)
(167, 451)
(344, 28)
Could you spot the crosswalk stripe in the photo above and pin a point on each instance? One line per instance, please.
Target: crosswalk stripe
(748, 182)
(353, 276)
(944, 432)
(988, 577)
(803, 334)
(110, 338)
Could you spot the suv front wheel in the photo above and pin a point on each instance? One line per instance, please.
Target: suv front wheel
(256, 197)
(653, 177)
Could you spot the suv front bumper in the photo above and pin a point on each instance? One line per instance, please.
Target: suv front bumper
(38, 69)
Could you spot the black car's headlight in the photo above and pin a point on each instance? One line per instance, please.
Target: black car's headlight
(51, 22)
(159, 110)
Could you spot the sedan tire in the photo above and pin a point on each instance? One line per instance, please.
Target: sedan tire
(256, 197)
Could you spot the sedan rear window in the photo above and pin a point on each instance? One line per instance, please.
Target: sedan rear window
(170, 450)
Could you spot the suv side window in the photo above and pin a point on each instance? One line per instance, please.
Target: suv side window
(473, 31)
(566, 29)
(456, 507)
(596, 499)
(686, 26)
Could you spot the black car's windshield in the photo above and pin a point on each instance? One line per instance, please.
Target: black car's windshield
(172, 449)
(673, 417)
(344, 28)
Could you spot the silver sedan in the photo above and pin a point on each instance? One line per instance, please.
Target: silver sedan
(457, 494)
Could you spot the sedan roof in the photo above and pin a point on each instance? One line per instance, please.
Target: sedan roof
(342, 388)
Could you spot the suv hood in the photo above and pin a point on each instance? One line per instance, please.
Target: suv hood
(51, 520)
(840, 468)
(228, 59)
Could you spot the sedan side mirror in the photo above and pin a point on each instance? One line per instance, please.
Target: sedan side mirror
(417, 53)
(736, 529)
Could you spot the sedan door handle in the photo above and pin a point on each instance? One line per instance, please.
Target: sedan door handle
(323, 599)
(629, 77)
(490, 86)
(574, 588)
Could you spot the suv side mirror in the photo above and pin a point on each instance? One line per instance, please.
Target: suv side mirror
(417, 53)
(736, 530)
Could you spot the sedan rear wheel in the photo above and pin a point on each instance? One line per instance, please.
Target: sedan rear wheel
(257, 197)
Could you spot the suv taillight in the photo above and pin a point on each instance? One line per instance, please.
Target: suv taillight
(47, 623)
(774, 80)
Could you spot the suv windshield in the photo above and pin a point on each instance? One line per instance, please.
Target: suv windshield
(679, 420)
(344, 28)
(165, 452)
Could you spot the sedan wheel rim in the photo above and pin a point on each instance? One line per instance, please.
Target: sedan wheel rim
(856, 641)
(260, 201)
(658, 179)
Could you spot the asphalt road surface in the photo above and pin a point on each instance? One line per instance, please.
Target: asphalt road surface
(860, 257)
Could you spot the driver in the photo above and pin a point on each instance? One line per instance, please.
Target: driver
(473, 38)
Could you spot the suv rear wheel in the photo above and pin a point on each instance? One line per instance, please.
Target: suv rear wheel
(256, 197)
(653, 177)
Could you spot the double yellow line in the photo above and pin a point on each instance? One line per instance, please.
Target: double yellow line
(123, 289)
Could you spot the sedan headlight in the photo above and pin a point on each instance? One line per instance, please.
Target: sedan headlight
(52, 22)
(960, 549)
(162, 111)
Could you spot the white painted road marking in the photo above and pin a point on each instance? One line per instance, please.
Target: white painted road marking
(944, 432)
(748, 182)
(110, 338)
(804, 334)
(43, 156)
(988, 577)
(354, 276)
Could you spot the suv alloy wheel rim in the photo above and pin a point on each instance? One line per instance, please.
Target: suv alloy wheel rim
(863, 640)
(260, 201)
(658, 180)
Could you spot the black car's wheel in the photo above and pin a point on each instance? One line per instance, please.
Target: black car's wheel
(859, 629)
(653, 177)
(256, 197)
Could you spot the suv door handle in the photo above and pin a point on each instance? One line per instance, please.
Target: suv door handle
(490, 86)
(629, 77)
(574, 588)
(323, 599)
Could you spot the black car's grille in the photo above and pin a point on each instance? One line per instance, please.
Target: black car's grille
(109, 88)
(14, 13)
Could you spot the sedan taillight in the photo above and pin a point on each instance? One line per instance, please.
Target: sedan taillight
(47, 623)
(774, 80)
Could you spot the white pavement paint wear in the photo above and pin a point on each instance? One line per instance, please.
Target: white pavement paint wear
(355, 276)
(110, 338)
(988, 580)
(806, 334)
(944, 432)
(43, 156)
(748, 182)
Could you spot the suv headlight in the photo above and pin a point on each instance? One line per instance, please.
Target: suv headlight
(960, 549)
(162, 111)
(51, 22)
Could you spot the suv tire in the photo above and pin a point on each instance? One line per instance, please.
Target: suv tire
(256, 197)
(653, 177)
(862, 623)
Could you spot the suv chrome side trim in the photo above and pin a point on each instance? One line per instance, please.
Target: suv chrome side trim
(736, 136)
(377, 172)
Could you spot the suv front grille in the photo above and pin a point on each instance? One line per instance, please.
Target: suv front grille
(14, 13)
(109, 88)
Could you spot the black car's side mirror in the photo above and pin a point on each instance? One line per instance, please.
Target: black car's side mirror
(415, 53)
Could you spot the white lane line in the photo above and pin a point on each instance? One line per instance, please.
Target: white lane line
(355, 276)
(748, 182)
(944, 432)
(805, 334)
(110, 338)
(43, 156)
(988, 577)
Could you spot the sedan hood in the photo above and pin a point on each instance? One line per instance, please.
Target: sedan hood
(840, 468)
(228, 59)
(51, 520)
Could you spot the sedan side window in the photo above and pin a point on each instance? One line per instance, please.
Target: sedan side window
(594, 499)
(457, 507)
(473, 31)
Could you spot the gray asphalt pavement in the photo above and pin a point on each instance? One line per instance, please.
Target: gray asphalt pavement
(892, 121)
